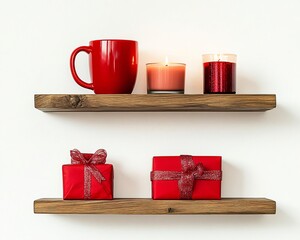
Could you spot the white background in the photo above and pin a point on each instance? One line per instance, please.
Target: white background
(260, 150)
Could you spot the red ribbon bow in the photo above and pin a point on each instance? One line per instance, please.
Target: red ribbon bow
(190, 172)
(99, 157)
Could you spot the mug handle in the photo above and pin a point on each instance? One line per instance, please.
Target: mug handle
(88, 50)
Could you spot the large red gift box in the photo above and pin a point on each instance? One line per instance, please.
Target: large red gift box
(186, 177)
(88, 177)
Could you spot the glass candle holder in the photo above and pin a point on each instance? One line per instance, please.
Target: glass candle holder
(165, 78)
(219, 73)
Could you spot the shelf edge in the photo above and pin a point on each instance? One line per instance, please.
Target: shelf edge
(131, 206)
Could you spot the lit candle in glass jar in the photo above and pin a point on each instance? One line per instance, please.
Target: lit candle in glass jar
(165, 77)
(219, 74)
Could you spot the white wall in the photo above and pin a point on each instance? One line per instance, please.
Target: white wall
(260, 150)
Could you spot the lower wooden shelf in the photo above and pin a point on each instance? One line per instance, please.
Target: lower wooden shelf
(151, 207)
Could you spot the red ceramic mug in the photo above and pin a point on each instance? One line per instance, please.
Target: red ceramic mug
(113, 66)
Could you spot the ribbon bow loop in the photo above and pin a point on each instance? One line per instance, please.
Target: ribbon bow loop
(99, 157)
(198, 171)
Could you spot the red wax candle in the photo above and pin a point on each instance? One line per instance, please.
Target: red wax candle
(165, 78)
(219, 73)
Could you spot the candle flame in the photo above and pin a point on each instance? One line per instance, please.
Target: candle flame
(166, 61)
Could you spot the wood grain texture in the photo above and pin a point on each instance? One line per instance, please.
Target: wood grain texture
(152, 207)
(154, 102)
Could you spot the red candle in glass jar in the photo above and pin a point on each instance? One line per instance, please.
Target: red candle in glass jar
(219, 74)
(165, 77)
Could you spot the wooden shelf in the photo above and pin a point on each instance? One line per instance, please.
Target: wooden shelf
(155, 102)
(152, 207)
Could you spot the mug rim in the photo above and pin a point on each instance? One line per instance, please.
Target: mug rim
(112, 40)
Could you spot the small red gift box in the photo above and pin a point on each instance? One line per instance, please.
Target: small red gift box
(186, 177)
(88, 177)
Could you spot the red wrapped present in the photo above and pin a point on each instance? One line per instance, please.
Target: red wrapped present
(186, 177)
(88, 177)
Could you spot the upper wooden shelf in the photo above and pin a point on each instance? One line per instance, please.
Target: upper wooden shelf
(152, 207)
(155, 102)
